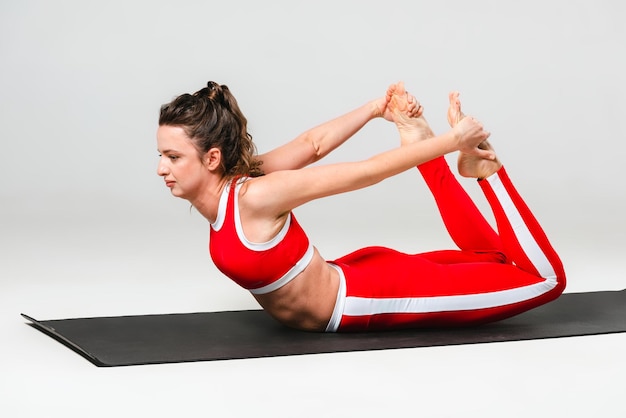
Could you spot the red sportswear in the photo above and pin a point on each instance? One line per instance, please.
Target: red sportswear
(491, 277)
(258, 267)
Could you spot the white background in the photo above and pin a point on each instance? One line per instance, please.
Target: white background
(88, 229)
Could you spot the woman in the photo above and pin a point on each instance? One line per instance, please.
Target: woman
(208, 158)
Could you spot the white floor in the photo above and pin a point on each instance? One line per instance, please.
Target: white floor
(58, 270)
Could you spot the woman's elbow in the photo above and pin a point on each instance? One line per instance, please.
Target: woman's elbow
(313, 145)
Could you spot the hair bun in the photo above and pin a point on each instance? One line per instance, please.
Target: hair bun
(215, 91)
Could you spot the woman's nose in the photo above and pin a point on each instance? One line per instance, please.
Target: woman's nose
(161, 168)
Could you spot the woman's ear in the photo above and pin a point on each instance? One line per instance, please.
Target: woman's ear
(213, 159)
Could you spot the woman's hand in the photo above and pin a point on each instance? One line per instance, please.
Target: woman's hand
(381, 110)
(469, 134)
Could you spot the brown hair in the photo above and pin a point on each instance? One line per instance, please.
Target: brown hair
(211, 118)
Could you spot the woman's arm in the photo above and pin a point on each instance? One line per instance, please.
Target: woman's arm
(278, 193)
(316, 143)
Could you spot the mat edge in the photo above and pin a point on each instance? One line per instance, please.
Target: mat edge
(51, 332)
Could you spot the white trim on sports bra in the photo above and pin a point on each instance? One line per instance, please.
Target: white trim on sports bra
(221, 216)
(289, 276)
(257, 246)
(221, 209)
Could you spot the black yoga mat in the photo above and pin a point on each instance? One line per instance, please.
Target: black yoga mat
(173, 338)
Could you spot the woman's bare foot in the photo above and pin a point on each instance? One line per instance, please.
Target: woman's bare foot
(470, 165)
(476, 167)
(406, 113)
(454, 110)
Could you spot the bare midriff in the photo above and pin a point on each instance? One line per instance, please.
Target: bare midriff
(307, 301)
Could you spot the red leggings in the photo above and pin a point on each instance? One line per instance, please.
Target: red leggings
(493, 276)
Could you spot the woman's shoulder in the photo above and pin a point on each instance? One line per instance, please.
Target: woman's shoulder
(261, 195)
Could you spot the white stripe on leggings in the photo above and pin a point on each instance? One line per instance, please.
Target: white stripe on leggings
(357, 306)
(524, 237)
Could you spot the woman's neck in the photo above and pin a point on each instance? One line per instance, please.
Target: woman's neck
(208, 199)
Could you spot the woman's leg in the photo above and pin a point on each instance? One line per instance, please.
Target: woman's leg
(525, 242)
(467, 227)
(523, 238)
(385, 289)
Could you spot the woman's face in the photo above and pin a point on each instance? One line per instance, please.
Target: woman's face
(180, 165)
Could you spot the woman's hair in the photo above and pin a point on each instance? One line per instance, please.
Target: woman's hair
(211, 119)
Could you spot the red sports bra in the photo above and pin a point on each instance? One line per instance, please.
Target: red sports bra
(258, 267)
